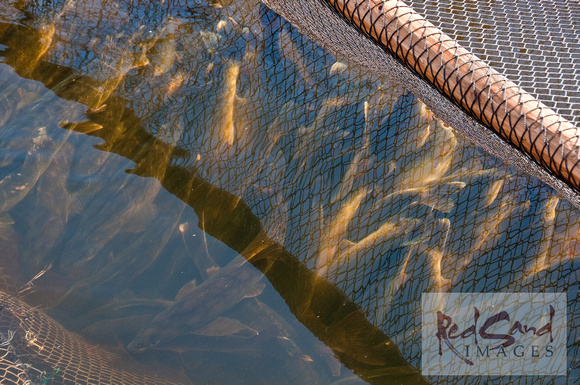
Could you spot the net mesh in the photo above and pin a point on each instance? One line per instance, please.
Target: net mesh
(348, 170)
(35, 349)
(426, 51)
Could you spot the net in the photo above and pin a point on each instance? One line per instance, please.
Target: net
(349, 172)
(35, 349)
(480, 91)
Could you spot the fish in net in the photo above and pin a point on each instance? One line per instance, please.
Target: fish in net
(35, 349)
(351, 172)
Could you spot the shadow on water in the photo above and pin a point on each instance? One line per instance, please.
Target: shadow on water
(345, 192)
(319, 305)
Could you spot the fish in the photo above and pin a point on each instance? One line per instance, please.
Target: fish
(344, 338)
(37, 42)
(49, 207)
(292, 51)
(227, 128)
(117, 268)
(204, 304)
(10, 259)
(128, 307)
(492, 192)
(324, 353)
(203, 260)
(224, 326)
(358, 167)
(486, 229)
(335, 230)
(30, 145)
(6, 226)
(565, 242)
(420, 145)
(394, 231)
(547, 225)
(125, 214)
(99, 79)
(429, 257)
(118, 318)
(435, 252)
(430, 162)
(37, 36)
(114, 55)
(166, 49)
(292, 349)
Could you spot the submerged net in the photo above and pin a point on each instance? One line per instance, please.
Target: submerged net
(35, 349)
(349, 171)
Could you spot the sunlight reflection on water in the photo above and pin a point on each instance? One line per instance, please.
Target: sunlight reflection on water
(214, 132)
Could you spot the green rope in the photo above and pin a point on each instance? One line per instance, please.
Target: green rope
(50, 377)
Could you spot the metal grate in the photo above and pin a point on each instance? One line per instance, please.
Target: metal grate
(347, 170)
(534, 43)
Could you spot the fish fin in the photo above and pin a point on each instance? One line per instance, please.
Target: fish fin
(416, 240)
(212, 270)
(186, 290)
(85, 127)
(329, 358)
(256, 290)
(77, 205)
(6, 219)
(223, 326)
(6, 227)
(345, 244)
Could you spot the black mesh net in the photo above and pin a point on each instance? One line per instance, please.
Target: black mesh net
(383, 35)
(325, 162)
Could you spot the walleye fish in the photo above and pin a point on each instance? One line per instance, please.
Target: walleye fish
(227, 127)
(223, 290)
(335, 231)
(547, 226)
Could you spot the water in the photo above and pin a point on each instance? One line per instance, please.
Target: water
(144, 148)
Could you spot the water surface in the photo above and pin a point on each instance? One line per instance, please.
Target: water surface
(145, 147)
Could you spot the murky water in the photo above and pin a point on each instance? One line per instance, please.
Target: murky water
(145, 147)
